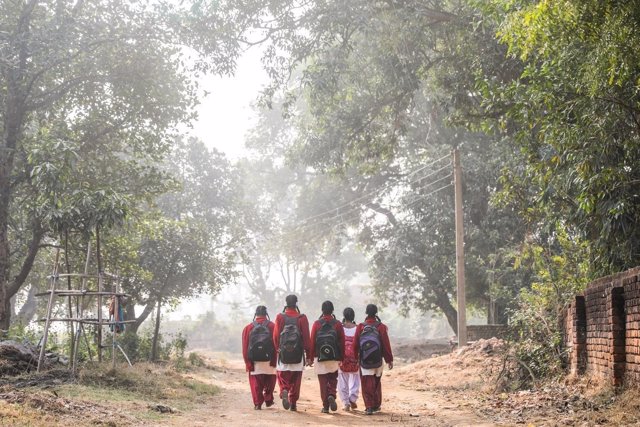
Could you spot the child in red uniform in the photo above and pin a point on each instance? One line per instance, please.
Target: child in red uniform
(291, 340)
(349, 372)
(260, 357)
(327, 349)
(371, 344)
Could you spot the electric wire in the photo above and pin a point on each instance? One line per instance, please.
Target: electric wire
(357, 202)
(328, 225)
(354, 209)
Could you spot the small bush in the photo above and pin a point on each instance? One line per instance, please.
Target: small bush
(196, 360)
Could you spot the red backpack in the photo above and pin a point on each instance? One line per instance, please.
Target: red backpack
(349, 363)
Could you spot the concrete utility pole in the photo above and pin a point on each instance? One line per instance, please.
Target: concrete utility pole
(462, 303)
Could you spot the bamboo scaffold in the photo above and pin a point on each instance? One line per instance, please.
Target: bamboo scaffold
(78, 320)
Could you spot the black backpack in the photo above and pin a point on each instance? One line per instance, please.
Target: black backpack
(291, 350)
(260, 342)
(370, 346)
(327, 347)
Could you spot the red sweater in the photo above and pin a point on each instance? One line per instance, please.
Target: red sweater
(303, 325)
(339, 329)
(384, 339)
(245, 342)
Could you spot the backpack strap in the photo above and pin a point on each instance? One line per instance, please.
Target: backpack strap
(288, 320)
(330, 322)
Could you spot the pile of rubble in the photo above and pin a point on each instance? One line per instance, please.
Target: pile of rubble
(482, 347)
(88, 412)
(19, 358)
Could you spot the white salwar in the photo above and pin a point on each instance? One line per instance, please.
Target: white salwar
(348, 382)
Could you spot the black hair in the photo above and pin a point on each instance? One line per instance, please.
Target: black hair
(261, 310)
(348, 314)
(292, 302)
(372, 311)
(327, 308)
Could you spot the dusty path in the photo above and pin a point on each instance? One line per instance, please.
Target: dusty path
(402, 405)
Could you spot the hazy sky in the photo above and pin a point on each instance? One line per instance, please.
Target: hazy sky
(225, 114)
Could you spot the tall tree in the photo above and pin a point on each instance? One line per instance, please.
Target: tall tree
(186, 244)
(574, 110)
(105, 80)
(376, 109)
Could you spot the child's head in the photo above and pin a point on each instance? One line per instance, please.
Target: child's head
(327, 308)
(348, 315)
(371, 310)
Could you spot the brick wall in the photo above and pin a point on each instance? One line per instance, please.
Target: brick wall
(602, 329)
(575, 335)
(631, 287)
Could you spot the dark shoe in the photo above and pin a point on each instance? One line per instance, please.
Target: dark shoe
(268, 404)
(257, 407)
(368, 411)
(285, 400)
(332, 403)
(324, 410)
(294, 408)
(376, 409)
(353, 405)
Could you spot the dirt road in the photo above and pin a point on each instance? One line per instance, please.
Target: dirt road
(403, 405)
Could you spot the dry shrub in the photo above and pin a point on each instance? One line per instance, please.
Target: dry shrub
(146, 380)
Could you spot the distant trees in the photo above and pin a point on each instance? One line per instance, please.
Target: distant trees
(184, 243)
(371, 118)
(541, 97)
(283, 255)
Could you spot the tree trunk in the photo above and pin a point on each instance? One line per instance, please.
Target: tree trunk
(156, 334)
(29, 308)
(444, 304)
(130, 314)
(6, 165)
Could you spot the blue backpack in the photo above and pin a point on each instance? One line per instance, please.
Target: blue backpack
(370, 346)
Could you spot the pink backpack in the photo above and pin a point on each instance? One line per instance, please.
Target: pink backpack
(349, 363)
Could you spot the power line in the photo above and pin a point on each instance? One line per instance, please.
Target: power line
(424, 196)
(359, 206)
(373, 192)
(327, 225)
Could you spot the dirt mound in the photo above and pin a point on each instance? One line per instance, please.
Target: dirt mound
(482, 347)
(17, 358)
(412, 351)
(44, 379)
(88, 412)
(470, 367)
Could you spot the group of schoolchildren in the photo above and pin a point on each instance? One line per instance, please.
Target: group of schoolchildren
(345, 356)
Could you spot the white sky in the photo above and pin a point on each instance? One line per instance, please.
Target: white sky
(225, 115)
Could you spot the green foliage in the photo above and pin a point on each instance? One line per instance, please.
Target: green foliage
(21, 332)
(573, 113)
(561, 266)
(92, 93)
(137, 346)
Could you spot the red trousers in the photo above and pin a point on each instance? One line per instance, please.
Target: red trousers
(328, 385)
(371, 390)
(262, 388)
(290, 381)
